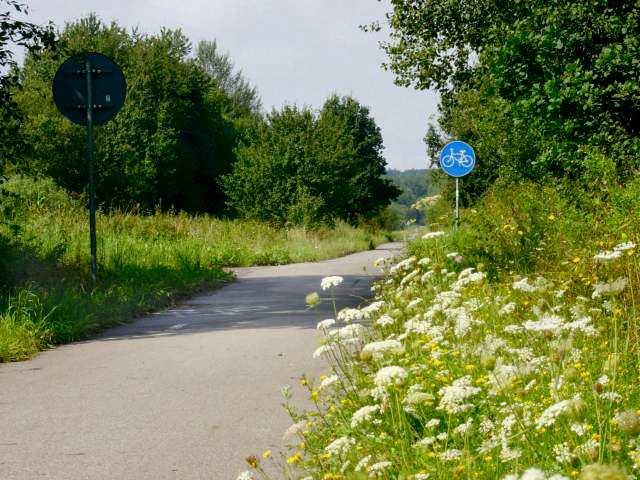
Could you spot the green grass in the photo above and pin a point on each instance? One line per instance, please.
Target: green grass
(145, 262)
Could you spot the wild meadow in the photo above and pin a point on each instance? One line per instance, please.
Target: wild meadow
(506, 348)
(145, 261)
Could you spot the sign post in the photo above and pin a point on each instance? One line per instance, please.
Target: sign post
(89, 89)
(457, 159)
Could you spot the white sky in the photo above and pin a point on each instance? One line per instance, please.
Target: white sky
(294, 51)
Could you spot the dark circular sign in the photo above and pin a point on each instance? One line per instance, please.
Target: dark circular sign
(108, 88)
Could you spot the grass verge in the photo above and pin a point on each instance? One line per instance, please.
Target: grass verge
(145, 262)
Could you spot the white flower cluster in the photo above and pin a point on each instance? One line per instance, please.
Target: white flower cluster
(378, 350)
(364, 414)
(453, 397)
(340, 446)
(430, 235)
(389, 376)
(331, 282)
(607, 289)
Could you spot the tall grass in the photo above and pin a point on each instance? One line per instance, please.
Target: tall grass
(145, 261)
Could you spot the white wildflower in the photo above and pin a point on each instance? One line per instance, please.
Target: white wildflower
(578, 429)
(548, 323)
(430, 235)
(363, 463)
(621, 247)
(325, 324)
(409, 277)
(464, 428)
(552, 413)
(351, 332)
(605, 257)
(331, 282)
(613, 288)
(425, 278)
(370, 310)
(524, 285)
(533, 474)
(321, 350)
(364, 414)
(454, 396)
(611, 396)
(403, 265)
(433, 423)
(246, 475)
(425, 442)
(414, 303)
(388, 376)
(562, 453)
(340, 446)
(424, 261)
(330, 380)
(377, 469)
(508, 454)
(451, 455)
(348, 315)
(377, 350)
(507, 309)
(452, 254)
(385, 320)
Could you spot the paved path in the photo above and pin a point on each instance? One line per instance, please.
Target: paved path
(183, 394)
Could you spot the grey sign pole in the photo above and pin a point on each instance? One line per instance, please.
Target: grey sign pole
(457, 202)
(89, 89)
(92, 207)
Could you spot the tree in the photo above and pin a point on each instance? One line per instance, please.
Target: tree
(307, 168)
(367, 191)
(167, 146)
(220, 68)
(562, 78)
(34, 38)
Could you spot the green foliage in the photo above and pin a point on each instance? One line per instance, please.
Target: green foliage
(220, 67)
(302, 168)
(413, 184)
(166, 147)
(534, 86)
(24, 34)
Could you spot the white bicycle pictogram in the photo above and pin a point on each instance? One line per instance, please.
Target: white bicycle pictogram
(462, 158)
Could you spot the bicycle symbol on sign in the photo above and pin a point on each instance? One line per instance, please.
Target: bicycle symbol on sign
(462, 158)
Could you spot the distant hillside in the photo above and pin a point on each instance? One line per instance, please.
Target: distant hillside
(414, 184)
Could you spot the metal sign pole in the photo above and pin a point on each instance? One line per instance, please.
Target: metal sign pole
(457, 202)
(92, 208)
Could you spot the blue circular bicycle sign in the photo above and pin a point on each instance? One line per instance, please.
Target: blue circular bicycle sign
(457, 159)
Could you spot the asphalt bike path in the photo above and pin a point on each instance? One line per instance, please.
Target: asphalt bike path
(187, 393)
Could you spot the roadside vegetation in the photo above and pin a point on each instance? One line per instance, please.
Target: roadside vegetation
(506, 348)
(146, 261)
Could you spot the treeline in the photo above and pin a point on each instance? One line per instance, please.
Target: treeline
(414, 184)
(192, 135)
(545, 91)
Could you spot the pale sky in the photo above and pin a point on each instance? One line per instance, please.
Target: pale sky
(293, 51)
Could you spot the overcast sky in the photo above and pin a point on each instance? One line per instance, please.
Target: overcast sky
(294, 51)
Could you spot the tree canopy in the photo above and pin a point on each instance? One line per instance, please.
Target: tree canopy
(539, 87)
(303, 167)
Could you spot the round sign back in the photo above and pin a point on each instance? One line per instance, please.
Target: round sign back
(70, 88)
(457, 159)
